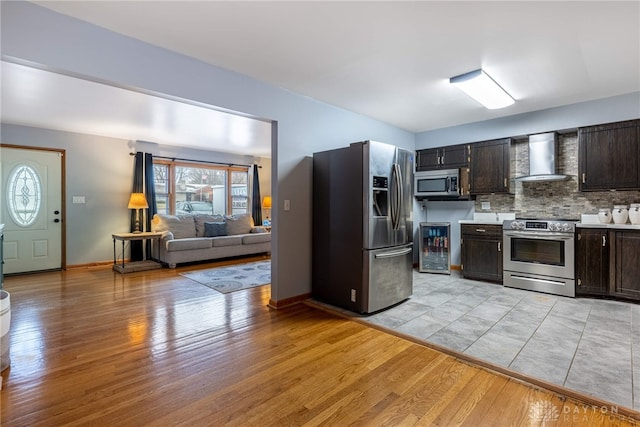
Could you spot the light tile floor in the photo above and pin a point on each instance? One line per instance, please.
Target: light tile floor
(588, 345)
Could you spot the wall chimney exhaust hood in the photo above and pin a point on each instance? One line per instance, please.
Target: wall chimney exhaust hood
(543, 158)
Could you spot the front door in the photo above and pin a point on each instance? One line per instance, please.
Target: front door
(31, 209)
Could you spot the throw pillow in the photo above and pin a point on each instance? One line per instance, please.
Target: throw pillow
(200, 219)
(239, 224)
(215, 229)
(182, 226)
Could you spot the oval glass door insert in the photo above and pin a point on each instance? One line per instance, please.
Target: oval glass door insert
(24, 195)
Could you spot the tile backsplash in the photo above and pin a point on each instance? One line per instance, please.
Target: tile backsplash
(559, 199)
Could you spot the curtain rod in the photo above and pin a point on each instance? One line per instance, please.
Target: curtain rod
(173, 159)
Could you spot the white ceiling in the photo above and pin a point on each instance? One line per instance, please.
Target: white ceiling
(36, 97)
(387, 60)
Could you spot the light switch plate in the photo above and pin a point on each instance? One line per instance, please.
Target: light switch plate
(287, 205)
(78, 200)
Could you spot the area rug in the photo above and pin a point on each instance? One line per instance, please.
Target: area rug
(233, 277)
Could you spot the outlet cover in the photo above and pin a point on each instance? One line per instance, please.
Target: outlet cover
(486, 206)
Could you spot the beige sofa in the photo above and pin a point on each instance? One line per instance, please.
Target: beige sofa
(199, 237)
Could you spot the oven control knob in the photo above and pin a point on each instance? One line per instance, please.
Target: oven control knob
(517, 225)
(554, 226)
(566, 227)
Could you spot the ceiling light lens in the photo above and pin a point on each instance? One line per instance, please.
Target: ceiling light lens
(481, 87)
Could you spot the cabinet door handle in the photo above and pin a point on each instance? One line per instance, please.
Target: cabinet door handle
(480, 230)
(579, 282)
(579, 236)
(505, 183)
(604, 241)
(584, 178)
(442, 159)
(499, 248)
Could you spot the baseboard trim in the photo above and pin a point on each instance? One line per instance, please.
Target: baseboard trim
(288, 301)
(91, 265)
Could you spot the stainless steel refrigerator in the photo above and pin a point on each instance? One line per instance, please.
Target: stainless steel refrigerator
(363, 226)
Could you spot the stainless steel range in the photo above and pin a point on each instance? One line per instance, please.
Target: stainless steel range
(539, 255)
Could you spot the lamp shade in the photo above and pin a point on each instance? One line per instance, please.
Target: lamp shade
(138, 201)
(481, 87)
(266, 202)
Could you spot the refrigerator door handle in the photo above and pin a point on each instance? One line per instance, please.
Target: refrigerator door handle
(394, 253)
(396, 196)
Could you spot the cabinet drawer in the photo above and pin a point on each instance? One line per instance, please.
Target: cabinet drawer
(481, 230)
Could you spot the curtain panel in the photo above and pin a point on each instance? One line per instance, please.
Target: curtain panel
(256, 199)
(143, 182)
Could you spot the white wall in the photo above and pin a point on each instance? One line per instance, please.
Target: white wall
(304, 126)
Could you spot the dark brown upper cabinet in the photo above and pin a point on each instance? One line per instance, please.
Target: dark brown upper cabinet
(451, 157)
(489, 167)
(609, 156)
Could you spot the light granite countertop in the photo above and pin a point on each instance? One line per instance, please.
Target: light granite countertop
(488, 218)
(586, 221)
(591, 221)
(614, 226)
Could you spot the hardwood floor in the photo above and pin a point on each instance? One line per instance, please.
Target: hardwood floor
(94, 347)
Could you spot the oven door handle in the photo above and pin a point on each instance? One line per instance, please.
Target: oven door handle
(539, 236)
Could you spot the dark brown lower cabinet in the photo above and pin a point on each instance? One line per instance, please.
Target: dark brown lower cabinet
(592, 262)
(625, 277)
(481, 252)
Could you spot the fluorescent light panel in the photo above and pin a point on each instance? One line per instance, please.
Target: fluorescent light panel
(481, 87)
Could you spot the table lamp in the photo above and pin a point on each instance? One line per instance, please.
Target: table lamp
(137, 201)
(266, 204)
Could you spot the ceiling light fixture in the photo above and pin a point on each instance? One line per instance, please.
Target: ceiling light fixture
(481, 87)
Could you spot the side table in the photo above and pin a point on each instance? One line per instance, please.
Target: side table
(130, 267)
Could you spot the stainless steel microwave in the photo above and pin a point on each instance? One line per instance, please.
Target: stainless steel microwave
(438, 183)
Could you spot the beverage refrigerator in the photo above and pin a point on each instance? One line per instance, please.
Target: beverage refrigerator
(435, 255)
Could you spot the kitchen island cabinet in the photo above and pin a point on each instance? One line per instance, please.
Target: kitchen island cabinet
(592, 262)
(489, 167)
(481, 247)
(451, 157)
(609, 156)
(625, 264)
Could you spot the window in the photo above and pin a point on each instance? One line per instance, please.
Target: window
(239, 192)
(190, 187)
